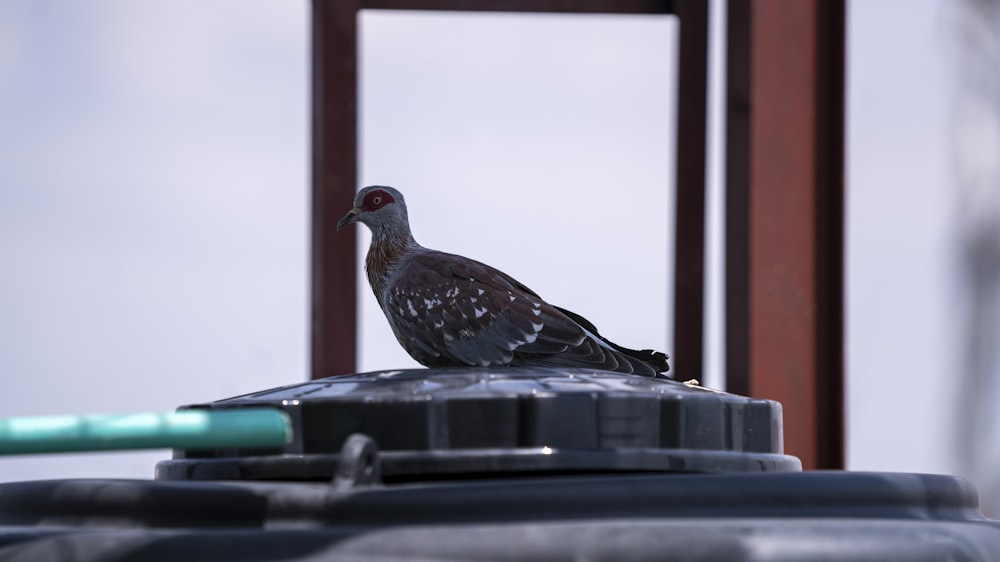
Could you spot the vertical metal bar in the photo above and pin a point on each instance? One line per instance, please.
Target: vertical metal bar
(782, 216)
(689, 221)
(830, 231)
(784, 296)
(334, 179)
(737, 236)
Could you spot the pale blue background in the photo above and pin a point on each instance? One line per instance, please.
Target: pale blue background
(154, 193)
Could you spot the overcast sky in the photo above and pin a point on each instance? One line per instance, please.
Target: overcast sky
(154, 182)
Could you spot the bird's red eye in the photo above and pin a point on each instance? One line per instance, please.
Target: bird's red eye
(376, 200)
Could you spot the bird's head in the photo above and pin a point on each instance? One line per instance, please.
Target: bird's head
(379, 207)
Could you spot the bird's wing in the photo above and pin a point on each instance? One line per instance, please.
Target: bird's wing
(447, 309)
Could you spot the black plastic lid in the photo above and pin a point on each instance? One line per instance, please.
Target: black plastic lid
(424, 423)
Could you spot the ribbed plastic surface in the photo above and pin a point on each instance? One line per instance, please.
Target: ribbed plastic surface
(428, 422)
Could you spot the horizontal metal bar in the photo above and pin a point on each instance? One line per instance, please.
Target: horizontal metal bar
(545, 6)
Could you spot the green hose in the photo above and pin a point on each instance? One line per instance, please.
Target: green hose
(186, 429)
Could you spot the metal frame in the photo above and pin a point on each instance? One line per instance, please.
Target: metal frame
(784, 198)
(334, 286)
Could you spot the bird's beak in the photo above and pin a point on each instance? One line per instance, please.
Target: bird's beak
(351, 216)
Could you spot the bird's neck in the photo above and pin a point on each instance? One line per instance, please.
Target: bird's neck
(388, 248)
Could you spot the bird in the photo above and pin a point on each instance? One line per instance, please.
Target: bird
(448, 310)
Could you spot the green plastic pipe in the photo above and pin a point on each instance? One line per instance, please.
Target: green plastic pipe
(186, 429)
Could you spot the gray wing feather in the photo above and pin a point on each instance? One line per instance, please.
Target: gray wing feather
(449, 310)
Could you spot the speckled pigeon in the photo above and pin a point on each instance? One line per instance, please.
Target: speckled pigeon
(447, 310)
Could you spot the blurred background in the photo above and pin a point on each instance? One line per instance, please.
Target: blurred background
(154, 192)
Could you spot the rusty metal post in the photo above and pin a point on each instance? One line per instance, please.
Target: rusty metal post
(784, 216)
(334, 179)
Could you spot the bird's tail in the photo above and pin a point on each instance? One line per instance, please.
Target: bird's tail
(643, 361)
